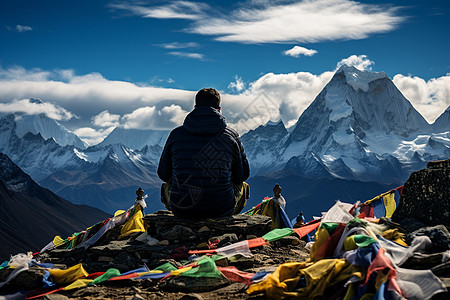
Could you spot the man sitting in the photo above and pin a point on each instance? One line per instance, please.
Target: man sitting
(203, 164)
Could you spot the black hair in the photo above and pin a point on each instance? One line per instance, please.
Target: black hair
(208, 97)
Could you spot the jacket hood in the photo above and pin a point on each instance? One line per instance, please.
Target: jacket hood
(204, 121)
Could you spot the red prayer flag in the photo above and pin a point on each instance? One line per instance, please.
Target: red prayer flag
(234, 274)
(256, 242)
(304, 230)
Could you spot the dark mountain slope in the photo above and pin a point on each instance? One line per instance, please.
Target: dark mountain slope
(31, 215)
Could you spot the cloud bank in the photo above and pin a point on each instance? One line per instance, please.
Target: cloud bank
(277, 21)
(31, 107)
(98, 104)
(430, 98)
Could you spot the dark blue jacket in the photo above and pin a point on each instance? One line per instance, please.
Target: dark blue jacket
(203, 159)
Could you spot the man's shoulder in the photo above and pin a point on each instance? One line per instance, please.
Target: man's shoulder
(177, 130)
(176, 134)
(230, 131)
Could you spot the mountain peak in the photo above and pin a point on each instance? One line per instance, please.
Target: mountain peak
(274, 123)
(36, 101)
(136, 138)
(47, 127)
(12, 176)
(358, 79)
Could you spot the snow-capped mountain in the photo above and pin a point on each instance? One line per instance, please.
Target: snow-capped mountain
(107, 177)
(46, 127)
(360, 126)
(101, 176)
(136, 138)
(442, 124)
(264, 144)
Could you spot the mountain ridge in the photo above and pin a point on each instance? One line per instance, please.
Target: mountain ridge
(32, 215)
(365, 130)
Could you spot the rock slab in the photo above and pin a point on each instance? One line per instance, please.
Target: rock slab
(426, 195)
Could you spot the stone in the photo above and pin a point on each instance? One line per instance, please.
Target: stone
(289, 240)
(113, 248)
(223, 262)
(204, 229)
(191, 297)
(163, 243)
(55, 296)
(225, 239)
(192, 284)
(178, 232)
(125, 258)
(241, 262)
(27, 280)
(137, 297)
(105, 259)
(88, 291)
(426, 196)
(162, 221)
(233, 288)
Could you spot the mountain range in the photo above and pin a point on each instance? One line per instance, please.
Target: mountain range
(359, 137)
(359, 127)
(32, 216)
(105, 176)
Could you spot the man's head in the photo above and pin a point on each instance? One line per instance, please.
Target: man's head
(208, 97)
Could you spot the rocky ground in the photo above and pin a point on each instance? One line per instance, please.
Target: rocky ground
(175, 237)
(168, 239)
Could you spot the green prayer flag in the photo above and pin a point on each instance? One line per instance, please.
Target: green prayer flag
(167, 267)
(205, 268)
(330, 227)
(110, 273)
(362, 240)
(277, 234)
(216, 257)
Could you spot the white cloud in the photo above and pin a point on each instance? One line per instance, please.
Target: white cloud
(237, 85)
(277, 96)
(84, 95)
(93, 136)
(278, 21)
(105, 119)
(187, 54)
(101, 102)
(20, 28)
(361, 62)
(177, 45)
(149, 117)
(175, 10)
(31, 107)
(431, 98)
(296, 51)
(17, 73)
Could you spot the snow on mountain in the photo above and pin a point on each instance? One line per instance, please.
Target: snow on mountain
(109, 178)
(360, 126)
(264, 145)
(442, 123)
(136, 138)
(47, 128)
(101, 176)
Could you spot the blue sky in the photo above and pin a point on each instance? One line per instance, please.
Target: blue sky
(117, 62)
